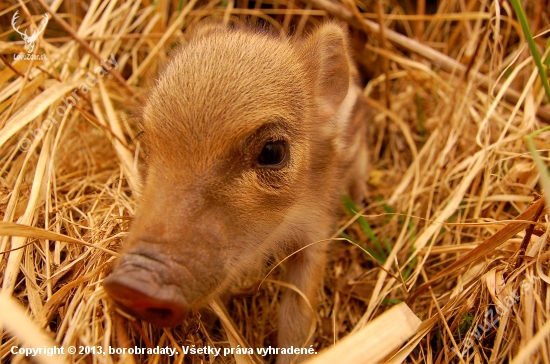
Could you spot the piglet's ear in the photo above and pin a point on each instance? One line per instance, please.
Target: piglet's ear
(326, 52)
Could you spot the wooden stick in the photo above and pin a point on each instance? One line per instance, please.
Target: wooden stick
(375, 341)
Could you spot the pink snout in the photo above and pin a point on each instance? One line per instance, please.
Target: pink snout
(135, 290)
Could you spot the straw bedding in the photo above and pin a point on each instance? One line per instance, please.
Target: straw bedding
(453, 91)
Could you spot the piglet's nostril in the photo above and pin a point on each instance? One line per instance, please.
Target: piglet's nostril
(146, 300)
(164, 313)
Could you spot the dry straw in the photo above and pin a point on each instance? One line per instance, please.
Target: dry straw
(453, 225)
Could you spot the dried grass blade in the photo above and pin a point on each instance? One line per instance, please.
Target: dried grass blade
(87, 47)
(153, 54)
(524, 355)
(35, 108)
(14, 318)
(39, 180)
(501, 236)
(447, 63)
(125, 156)
(14, 229)
(233, 335)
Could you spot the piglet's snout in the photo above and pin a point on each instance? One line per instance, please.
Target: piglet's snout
(138, 291)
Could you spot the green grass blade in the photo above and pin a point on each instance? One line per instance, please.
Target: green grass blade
(532, 46)
(541, 166)
(352, 209)
(379, 258)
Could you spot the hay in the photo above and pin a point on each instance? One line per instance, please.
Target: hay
(450, 224)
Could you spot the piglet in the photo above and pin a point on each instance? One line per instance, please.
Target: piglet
(250, 140)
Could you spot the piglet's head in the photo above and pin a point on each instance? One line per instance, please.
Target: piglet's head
(240, 133)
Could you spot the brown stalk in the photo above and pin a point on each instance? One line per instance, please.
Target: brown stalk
(489, 245)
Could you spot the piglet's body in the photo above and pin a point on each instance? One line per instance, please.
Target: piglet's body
(250, 142)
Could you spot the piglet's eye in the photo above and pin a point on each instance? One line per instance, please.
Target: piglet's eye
(273, 154)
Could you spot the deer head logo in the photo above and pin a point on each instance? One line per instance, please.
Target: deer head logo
(29, 40)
